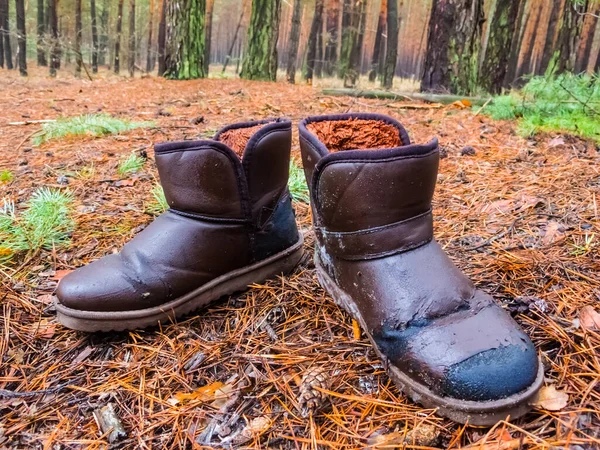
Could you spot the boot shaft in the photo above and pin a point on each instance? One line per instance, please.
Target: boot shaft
(371, 189)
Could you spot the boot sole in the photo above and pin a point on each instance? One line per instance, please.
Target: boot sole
(482, 413)
(235, 281)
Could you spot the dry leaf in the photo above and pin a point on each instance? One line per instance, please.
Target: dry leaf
(125, 183)
(204, 393)
(550, 399)
(554, 232)
(255, 427)
(424, 435)
(44, 329)
(60, 274)
(46, 299)
(555, 142)
(589, 318)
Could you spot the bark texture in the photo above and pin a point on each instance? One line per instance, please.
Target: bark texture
(391, 52)
(117, 63)
(21, 37)
(78, 37)
(501, 28)
(452, 55)
(379, 45)
(208, 33)
(569, 36)
(260, 60)
(184, 44)
(55, 46)
(313, 41)
(5, 32)
(293, 42)
(94, 36)
(331, 41)
(41, 33)
(162, 32)
(132, 44)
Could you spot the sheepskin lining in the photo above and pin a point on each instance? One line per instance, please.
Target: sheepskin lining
(355, 134)
(237, 138)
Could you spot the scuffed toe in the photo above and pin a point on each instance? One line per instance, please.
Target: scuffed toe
(493, 374)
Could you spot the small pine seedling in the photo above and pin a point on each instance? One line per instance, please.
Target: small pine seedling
(6, 176)
(90, 124)
(297, 183)
(159, 205)
(132, 164)
(46, 222)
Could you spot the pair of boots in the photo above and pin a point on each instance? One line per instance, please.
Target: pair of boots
(231, 223)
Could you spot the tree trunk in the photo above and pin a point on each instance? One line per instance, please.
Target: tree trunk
(260, 60)
(5, 32)
(208, 34)
(1, 37)
(162, 33)
(313, 41)
(500, 30)
(117, 63)
(391, 53)
(41, 32)
(331, 28)
(587, 38)
(319, 56)
(527, 47)
(149, 56)
(569, 36)
(103, 43)
(132, 47)
(21, 37)
(55, 47)
(551, 34)
(78, 27)
(515, 46)
(453, 46)
(233, 42)
(94, 36)
(292, 55)
(379, 46)
(184, 51)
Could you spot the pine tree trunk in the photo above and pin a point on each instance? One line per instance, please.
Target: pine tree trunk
(132, 47)
(527, 47)
(232, 45)
(313, 41)
(41, 32)
(94, 36)
(149, 57)
(379, 46)
(354, 70)
(162, 32)
(587, 37)
(184, 51)
(501, 28)
(208, 34)
(569, 36)
(78, 27)
(292, 55)
(1, 37)
(21, 37)
(551, 35)
(5, 32)
(391, 53)
(319, 56)
(103, 43)
(117, 63)
(453, 46)
(260, 60)
(350, 24)
(55, 47)
(331, 28)
(515, 46)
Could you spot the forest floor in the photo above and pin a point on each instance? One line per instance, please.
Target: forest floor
(519, 216)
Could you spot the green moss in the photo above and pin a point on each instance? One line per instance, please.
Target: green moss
(297, 183)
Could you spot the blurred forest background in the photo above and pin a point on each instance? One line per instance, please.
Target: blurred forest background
(457, 46)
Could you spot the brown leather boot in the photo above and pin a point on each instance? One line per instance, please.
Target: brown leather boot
(230, 224)
(446, 344)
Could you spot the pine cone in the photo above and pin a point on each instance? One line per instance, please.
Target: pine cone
(310, 398)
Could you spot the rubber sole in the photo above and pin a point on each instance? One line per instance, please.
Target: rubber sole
(235, 281)
(483, 413)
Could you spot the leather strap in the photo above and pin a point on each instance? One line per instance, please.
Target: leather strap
(379, 241)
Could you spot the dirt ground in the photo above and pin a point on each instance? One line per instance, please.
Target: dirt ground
(519, 216)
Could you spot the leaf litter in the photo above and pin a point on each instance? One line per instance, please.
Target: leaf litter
(517, 216)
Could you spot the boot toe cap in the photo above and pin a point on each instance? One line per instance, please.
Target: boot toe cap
(98, 286)
(493, 374)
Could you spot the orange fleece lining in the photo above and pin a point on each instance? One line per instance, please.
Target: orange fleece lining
(355, 134)
(237, 138)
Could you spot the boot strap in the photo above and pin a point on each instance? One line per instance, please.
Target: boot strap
(378, 241)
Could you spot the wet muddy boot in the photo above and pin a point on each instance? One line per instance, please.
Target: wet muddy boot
(446, 344)
(230, 224)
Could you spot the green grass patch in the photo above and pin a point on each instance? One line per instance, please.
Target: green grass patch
(565, 103)
(86, 125)
(132, 164)
(159, 204)
(6, 176)
(297, 183)
(45, 223)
